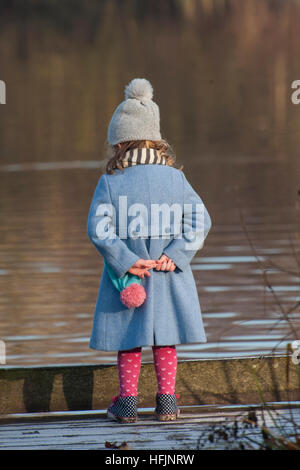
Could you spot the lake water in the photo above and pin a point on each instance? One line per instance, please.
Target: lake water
(222, 74)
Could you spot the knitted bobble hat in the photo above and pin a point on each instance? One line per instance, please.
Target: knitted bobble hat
(136, 118)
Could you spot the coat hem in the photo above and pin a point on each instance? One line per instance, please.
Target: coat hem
(137, 345)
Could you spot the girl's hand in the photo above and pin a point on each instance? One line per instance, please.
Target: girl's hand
(140, 268)
(165, 264)
(139, 272)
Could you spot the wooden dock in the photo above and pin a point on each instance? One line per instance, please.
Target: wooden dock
(194, 430)
(64, 407)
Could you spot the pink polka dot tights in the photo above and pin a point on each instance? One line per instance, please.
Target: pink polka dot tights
(165, 364)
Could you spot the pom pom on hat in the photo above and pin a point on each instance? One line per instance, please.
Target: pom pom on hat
(137, 117)
(139, 89)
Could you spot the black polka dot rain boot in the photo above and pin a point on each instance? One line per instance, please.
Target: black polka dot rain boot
(166, 407)
(123, 409)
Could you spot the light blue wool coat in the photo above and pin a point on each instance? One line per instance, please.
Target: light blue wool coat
(171, 313)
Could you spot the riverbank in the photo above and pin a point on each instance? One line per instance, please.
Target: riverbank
(204, 382)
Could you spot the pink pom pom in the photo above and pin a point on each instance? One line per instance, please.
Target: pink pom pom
(133, 295)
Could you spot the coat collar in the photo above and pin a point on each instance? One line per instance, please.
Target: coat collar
(143, 156)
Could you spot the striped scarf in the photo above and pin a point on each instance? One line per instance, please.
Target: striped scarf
(139, 156)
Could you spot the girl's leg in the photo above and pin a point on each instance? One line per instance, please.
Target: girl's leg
(165, 363)
(129, 367)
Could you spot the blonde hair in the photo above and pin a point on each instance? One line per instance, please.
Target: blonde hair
(118, 152)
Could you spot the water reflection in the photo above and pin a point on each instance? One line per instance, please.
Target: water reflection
(52, 166)
(225, 108)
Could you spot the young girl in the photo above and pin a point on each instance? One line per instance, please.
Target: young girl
(141, 179)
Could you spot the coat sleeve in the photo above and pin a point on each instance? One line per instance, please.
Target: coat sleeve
(196, 224)
(101, 215)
